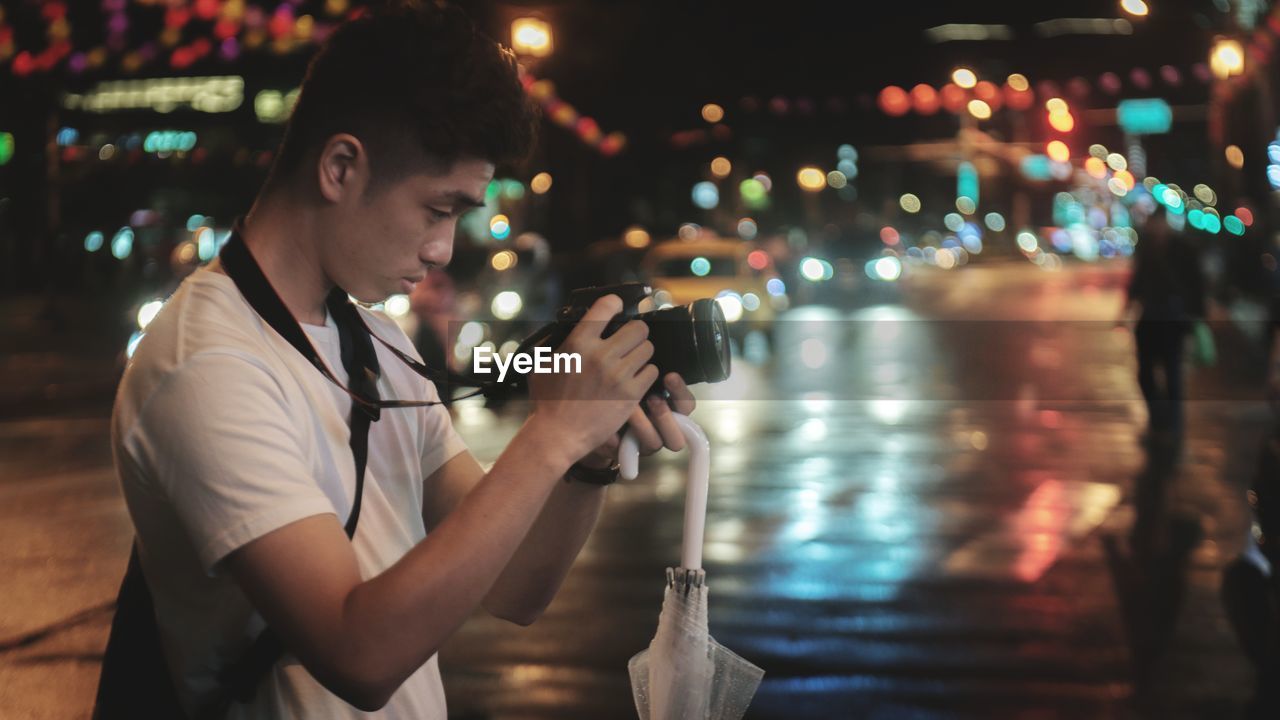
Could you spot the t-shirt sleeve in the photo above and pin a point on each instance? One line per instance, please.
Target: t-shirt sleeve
(440, 440)
(220, 441)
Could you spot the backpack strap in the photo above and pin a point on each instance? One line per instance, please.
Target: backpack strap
(135, 681)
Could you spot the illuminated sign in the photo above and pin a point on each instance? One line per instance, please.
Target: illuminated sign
(272, 106)
(207, 94)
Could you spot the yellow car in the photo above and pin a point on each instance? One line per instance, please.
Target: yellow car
(740, 276)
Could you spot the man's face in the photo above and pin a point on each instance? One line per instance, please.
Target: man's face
(391, 235)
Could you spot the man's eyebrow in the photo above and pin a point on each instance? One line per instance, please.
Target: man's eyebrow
(463, 199)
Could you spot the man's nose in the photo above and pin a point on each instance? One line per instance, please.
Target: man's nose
(437, 250)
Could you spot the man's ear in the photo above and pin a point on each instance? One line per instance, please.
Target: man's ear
(342, 168)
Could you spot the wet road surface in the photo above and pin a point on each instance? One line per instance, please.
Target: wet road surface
(917, 509)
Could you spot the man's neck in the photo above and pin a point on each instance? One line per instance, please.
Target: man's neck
(280, 235)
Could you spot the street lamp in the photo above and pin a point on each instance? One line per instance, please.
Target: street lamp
(1227, 58)
(531, 36)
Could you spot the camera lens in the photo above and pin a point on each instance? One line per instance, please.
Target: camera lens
(692, 340)
(711, 335)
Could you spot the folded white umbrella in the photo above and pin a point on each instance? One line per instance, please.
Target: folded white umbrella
(685, 674)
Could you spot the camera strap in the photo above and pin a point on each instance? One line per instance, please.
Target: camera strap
(240, 679)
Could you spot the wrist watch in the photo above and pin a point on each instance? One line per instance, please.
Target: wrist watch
(592, 476)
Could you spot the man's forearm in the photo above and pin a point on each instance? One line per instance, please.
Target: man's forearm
(532, 578)
(409, 610)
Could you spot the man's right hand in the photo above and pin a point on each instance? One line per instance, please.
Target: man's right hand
(586, 408)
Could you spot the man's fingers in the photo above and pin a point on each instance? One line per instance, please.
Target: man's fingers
(597, 317)
(639, 355)
(604, 309)
(665, 422)
(649, 439)
(682, 400)
(628, 338)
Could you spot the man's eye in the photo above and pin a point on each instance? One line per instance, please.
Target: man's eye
(438, 215)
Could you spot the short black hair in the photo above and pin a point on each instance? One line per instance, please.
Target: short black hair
(415, 82)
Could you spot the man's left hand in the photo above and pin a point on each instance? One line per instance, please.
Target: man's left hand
(653, 423)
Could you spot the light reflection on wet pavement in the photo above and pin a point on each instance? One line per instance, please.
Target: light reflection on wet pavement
(905, 520)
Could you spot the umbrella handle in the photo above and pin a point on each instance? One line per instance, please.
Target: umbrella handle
(695, 502)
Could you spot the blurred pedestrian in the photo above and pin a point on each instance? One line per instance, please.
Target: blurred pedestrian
(264, 414)
(1167, 290)
(434, 303)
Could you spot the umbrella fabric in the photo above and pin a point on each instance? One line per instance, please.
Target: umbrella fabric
(685, 674)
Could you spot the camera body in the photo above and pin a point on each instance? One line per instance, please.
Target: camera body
(692, 340)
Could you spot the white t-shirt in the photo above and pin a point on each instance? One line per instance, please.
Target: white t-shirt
(222, 432)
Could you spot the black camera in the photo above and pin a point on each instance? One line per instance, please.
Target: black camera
(692, 340)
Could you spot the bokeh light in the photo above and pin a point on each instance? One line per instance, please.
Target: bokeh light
(1137, 8)
(888, 268)
(925, 100)
(1235, 156)
(706, 195)
(504, 260)
(506, 304)
(811, 179)
(894, 101)
(122, 243)
(1062, 122)
(979, 109)
(1205, 194)
(812, 269)
(753, 192)
(636, 237)
(1027, 242)
(500, 227)
(964, 77)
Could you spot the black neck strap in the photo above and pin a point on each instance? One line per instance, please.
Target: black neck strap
(240, 679)
(244, 270)
(262, 297)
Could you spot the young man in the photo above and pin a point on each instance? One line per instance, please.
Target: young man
(233, 449)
